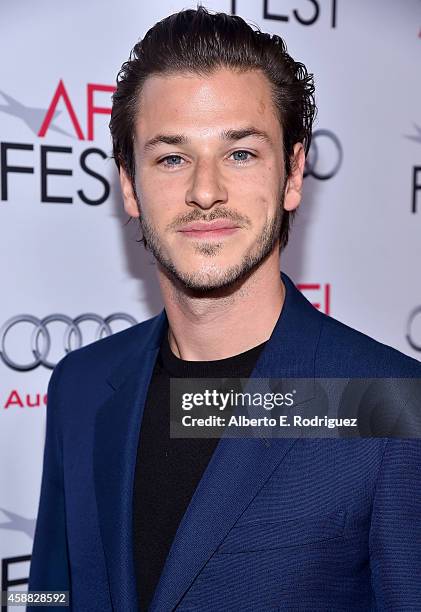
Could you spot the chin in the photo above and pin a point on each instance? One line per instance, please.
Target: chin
(208, 278)
(202, 280)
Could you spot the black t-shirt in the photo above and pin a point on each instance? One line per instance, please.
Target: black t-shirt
(168, 470)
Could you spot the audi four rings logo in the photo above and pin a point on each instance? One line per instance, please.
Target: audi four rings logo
(326, 166)
(42, 335)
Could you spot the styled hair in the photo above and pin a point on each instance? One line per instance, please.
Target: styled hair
(197, 41)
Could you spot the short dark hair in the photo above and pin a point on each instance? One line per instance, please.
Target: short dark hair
(198, 41)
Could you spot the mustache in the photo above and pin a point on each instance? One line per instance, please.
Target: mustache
(197, 215)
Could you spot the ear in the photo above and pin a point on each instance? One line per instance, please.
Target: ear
(294, 186)
(130, 204)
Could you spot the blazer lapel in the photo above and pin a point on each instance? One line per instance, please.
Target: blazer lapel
(117, 431)
(238, 467)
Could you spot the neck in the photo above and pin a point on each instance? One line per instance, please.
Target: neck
(228, 322)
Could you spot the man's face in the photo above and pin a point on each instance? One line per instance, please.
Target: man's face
(208, 150)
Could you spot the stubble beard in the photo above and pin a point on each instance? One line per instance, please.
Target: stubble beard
(202, 283)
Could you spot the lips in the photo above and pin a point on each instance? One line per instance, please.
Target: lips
(208, 226)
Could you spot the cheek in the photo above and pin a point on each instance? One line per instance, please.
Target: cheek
(263, 182)
(268, 204)
(159, 203)
(266, 208)
(261, 194)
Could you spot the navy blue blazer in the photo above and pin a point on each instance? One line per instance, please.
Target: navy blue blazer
(280, 524)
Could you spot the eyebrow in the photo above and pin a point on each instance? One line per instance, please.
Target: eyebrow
(230, 135)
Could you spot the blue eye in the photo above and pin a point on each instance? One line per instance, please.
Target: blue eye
(244, 156)
(171, 158)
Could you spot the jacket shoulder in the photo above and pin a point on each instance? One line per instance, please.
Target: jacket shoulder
(344, 348)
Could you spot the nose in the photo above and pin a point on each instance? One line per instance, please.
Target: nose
(206, 189)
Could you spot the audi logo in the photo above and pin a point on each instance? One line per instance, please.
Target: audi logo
(327, 166)
(41, 335)
(409, 331)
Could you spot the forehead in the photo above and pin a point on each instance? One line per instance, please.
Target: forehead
(221, 100)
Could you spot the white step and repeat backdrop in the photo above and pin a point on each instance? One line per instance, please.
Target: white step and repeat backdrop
(70, 262)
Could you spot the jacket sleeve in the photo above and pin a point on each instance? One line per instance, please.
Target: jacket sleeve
(49, 569)
(395, 533)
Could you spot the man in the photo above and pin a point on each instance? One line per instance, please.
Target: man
(211, 123)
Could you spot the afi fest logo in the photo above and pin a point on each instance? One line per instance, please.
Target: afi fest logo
(92, 110)
(43, 121)
(40, 120)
